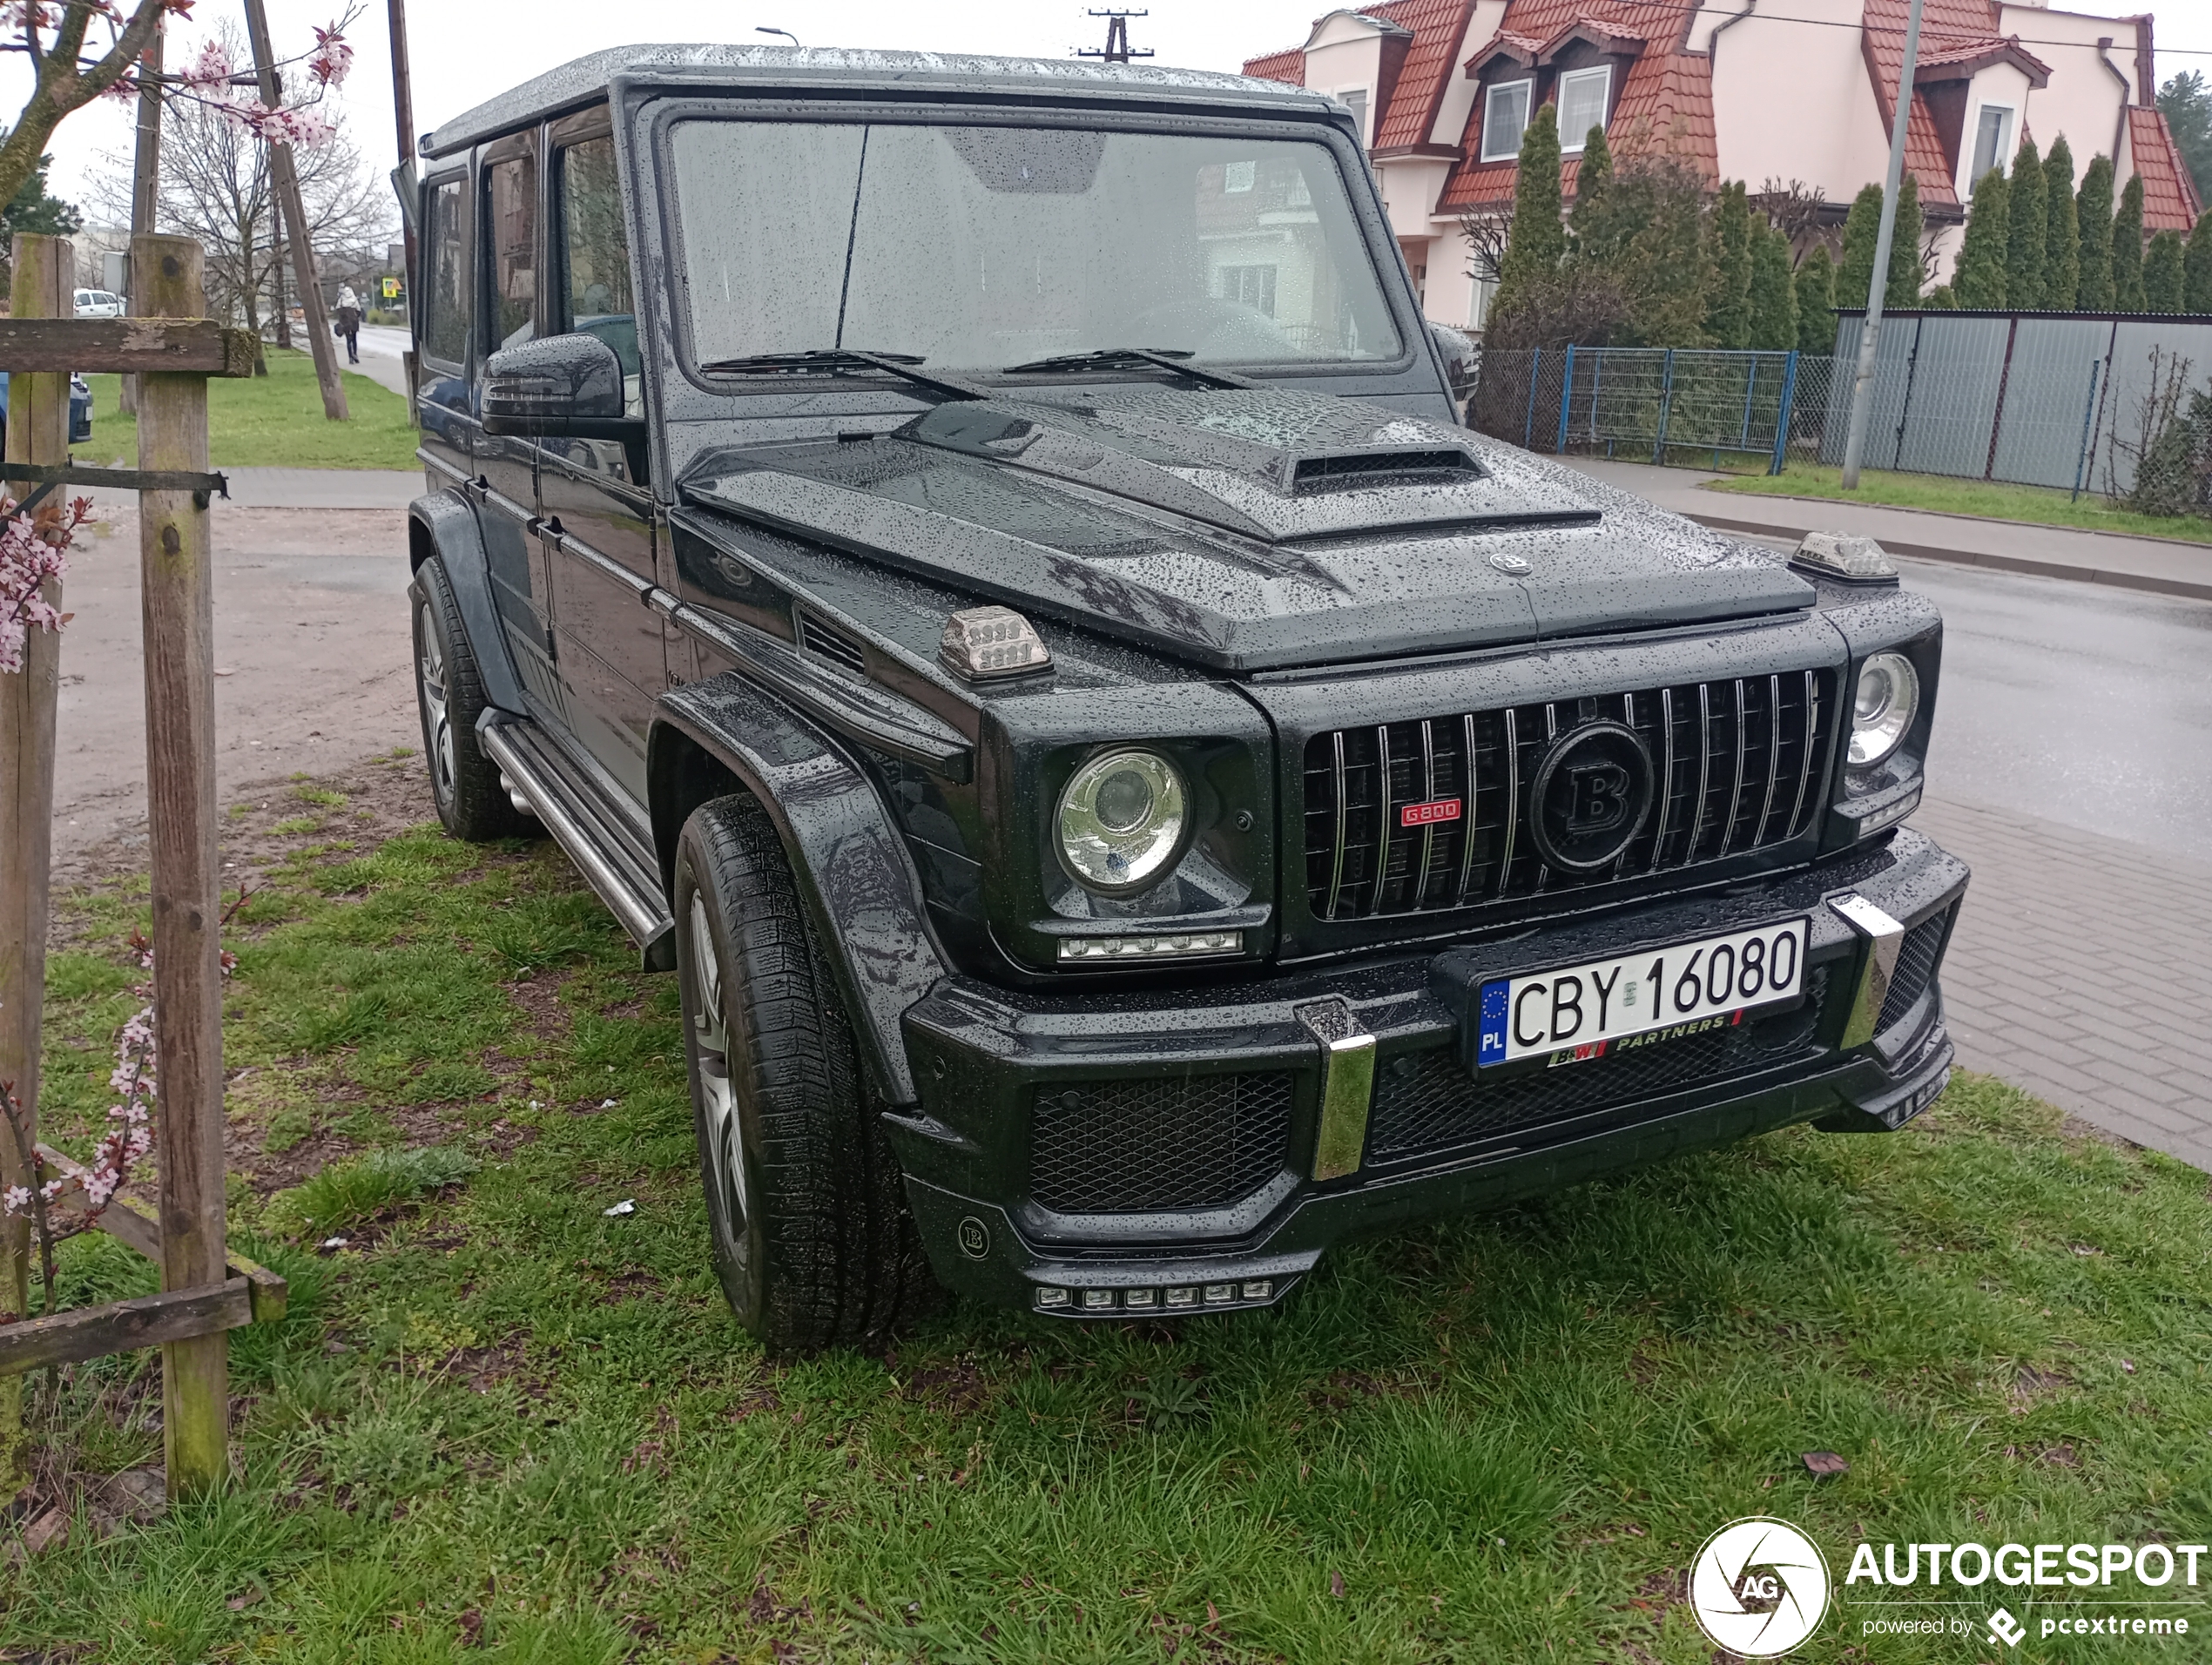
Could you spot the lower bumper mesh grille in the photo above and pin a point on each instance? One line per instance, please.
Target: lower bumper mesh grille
(1917, 957)
(1130, 1147)
(1435, 1104)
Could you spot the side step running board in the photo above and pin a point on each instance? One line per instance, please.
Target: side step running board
(614, 862)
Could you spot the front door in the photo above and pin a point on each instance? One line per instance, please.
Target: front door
(506, 465)
(594, 505)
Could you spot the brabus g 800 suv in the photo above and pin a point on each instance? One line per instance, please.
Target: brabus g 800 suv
(976, 563)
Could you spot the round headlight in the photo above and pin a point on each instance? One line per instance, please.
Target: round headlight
(1888, 700)
(1121, 819)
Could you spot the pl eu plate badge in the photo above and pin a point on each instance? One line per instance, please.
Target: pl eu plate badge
(1496, 997)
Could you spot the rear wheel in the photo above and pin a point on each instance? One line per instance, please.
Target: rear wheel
(806, 1210)
(450, 693)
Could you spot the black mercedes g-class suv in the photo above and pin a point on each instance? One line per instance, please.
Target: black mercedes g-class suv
(976, 564)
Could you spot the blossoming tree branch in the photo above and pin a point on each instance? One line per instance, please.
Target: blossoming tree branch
(84, 49)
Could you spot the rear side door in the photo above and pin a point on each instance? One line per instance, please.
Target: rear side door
(510, 257)
(595, 504)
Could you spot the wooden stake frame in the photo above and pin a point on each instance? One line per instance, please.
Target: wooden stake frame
(206, 1288)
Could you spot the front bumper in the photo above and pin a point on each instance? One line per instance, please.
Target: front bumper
(1138, 1154)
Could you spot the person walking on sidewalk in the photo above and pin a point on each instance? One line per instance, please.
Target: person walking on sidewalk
(349, 322)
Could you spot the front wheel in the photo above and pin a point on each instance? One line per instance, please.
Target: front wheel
(450, 694)
(806, 1208)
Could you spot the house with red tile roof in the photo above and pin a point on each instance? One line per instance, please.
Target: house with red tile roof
(1788, 91)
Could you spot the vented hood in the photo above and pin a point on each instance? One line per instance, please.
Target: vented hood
(1249, 530)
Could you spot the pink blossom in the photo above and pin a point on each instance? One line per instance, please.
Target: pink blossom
(333, 58)
(210, 71)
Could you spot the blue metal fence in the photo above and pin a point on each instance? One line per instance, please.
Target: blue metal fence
(1646, 404)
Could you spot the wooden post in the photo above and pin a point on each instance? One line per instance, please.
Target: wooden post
(180, 603)
(287, 180)
(45, 286)
(145, 174)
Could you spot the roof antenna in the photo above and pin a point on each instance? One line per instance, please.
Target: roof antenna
(1117, 47)
(762, 28)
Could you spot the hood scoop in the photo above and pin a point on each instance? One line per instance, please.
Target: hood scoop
(1352, 470)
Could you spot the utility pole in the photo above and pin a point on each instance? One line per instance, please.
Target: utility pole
(1862, 391)
(403, 112)
(1116, 50)
(295, 221)
(145, 172)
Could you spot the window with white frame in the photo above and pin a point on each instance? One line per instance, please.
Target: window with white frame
(1238, 177)
(1993, 141)
(1505, 118)
(1582, 95)
(1478, 303)
(1355, 100)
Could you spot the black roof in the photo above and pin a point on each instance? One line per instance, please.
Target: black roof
(586, 79)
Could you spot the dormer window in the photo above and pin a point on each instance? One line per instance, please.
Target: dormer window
(1583, 98)
(1505, 118)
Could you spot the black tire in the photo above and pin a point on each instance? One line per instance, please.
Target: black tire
(806, 1208)
(450, 694)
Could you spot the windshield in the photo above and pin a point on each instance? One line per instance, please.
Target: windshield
(984, 247)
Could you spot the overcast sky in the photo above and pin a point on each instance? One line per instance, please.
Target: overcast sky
(465, 51)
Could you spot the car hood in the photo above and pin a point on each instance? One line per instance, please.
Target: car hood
(1249, 530)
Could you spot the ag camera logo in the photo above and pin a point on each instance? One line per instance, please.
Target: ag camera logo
(1758, 1587)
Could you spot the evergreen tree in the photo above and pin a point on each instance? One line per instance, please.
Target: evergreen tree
(1536, 239)
(1940, 299)
(2196, 267)
(34, 211)
(1816, 298)
(1862, 228)
(2093, 213)
(2027, 215)
(1903, 288)
(1978, 280)
(2062, 236)
(2163, 274)
(1773, 303)
(1593, 188)
(2127, 249)
(1728, 302)
(2186, 101)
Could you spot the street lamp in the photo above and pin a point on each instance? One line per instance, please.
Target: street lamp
(1869, 331)
(762, 28)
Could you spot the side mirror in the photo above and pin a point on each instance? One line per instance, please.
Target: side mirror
(557, 385)
(1461, 356)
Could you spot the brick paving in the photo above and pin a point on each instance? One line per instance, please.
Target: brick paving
(2081, 970)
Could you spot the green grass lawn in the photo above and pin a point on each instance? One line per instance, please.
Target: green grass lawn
(501, 1424)
(273, 421)
(1992, 500)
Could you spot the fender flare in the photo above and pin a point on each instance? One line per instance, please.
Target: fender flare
(855, 877)
(443, 524)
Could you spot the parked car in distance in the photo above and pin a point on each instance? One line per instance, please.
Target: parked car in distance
(80, 410)
(975, 562)
(100, 303)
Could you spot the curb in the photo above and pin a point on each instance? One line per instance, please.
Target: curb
(2104, 575)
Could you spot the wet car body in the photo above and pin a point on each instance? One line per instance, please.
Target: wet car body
(1387, 663)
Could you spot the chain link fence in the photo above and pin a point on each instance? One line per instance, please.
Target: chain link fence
(2045, 399)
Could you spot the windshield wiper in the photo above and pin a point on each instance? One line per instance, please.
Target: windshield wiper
(1107, 358)
(833, 361)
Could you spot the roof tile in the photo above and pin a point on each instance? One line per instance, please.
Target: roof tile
(1289, 64)
(2169, 195)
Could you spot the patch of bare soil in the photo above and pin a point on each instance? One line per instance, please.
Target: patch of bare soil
(383, 796)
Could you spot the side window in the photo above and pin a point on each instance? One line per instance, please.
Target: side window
(595, 251)
(512, 187)
(445, 334)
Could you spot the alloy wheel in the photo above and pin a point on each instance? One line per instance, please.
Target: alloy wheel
(430, 673)
(717, 1096)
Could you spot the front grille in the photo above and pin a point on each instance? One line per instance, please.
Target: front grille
(1916, 962)
(1185, 1141)
(1739, 764)
(1427, 1101)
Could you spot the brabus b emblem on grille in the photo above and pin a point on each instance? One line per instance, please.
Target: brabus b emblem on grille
(1591, 795)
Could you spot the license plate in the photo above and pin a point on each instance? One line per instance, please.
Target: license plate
(1584, 1011)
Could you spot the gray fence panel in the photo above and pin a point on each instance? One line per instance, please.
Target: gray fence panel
(2130, 372)
(2047, 395)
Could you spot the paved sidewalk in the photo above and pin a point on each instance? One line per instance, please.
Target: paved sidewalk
(2081, 970)
(2172, 569)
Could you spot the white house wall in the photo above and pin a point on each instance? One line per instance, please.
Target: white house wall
(1814, 120)
(1345, 52)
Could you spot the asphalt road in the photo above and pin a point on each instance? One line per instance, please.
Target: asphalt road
(2079, 704)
